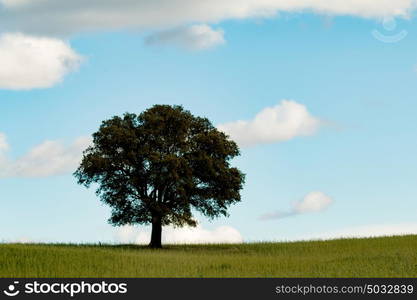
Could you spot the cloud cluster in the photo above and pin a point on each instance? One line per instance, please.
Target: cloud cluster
(184, 235)
(29, 61)
(195, 37)
(34, 62)
(61, 17)
(312, 202)
(46, 159)
(281, 122)
(365, 231)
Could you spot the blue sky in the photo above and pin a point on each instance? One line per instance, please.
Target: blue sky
(360, 155)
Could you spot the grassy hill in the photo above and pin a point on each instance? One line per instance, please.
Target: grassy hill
(375, 257)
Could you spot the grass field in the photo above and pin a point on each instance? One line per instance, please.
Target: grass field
(374, 257)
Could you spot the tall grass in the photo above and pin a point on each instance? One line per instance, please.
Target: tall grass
(375, 257)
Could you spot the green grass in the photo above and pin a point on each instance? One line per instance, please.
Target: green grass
(375, 257)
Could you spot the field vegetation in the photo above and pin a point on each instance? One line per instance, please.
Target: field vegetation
(374, 257)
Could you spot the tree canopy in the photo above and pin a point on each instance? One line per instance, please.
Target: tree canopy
(155, 167)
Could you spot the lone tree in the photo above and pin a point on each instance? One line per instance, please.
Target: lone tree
(156, 166)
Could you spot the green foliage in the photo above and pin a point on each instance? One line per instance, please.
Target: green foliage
(376, 257)
(161, 164)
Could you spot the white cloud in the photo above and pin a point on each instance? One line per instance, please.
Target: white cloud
(312, 202)
(4, 146)
(281, 122)
(184, 235)
(21, 240)
(29, 62)
(66, 17)
(366, 231)
(47, 159)
(14, 3)
(195, 37)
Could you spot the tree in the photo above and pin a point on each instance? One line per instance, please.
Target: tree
(155, 167)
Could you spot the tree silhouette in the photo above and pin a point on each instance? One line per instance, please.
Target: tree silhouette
(155, 167)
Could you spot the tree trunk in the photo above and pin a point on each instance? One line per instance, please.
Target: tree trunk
(156, 235)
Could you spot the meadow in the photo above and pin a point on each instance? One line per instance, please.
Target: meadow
(372, 257)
